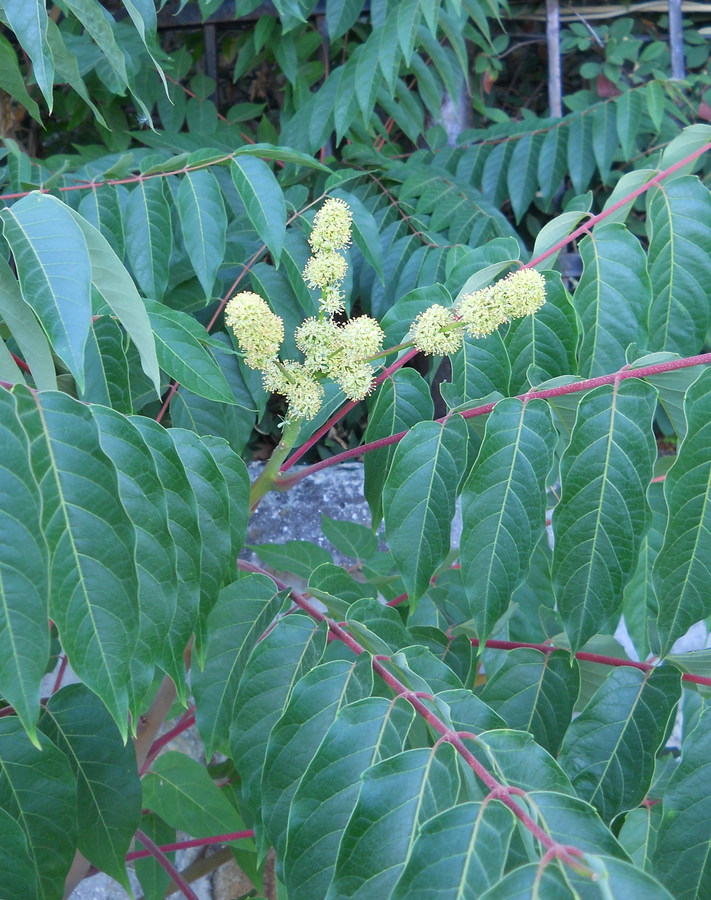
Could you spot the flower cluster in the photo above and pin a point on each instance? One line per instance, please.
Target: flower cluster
(438, 330)
(326, 269)
(331, 350)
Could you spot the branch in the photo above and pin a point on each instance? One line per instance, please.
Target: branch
(497, 789)
(195, 842)
(588, 384)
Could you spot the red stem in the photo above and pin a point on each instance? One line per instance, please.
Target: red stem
(155, 851)
(60, 674)
(187, 720)
(497, 790)
(588, 657)
(286, 482)
(20, 362)
(195, 842)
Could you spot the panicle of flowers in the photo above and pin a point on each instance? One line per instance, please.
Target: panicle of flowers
(438, 330)
(331, 350)
(332, 226)
(326, 269)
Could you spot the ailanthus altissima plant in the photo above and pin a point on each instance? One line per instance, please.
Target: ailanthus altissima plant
(451, 719)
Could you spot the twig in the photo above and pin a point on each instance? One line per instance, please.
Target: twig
(166, 864)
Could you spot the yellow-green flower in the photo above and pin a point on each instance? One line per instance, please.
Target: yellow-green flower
(360, 338)
(258, 330)
(522, 292)
(331, 301)
(325, 270)
(317, 340)
(435, 331)
(481, 312)
(355, 380)
(302, 392)
(332, 226)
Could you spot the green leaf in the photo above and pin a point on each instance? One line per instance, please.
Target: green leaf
(182, 520)
(350, 538)
(12, 81)
(311, 710)
(18, 868)
(210, 488)
(604, 137)
(480, 367)
(581, 161)
(612, 298)
(106, 371)
(627, 718)
(638, 834)
(680, 573)
(547, 340)
(24, 570)
(365, 232)
(400, 402)
(569, 820)
(603, 513)
(263, 199)
(340, 15)
(551, 234)
(54, 270)
(290, 650)
(283, 154)
(108, 787)
(363, 733)
(682, 858)
(551, 161)
(523, 173)
(337, 589)
(93, 581)
(238, 488)
(203, 222)
(514, 758)
(458, 853)
(144, 499)
(233, 422)
(116, 287)
(180, 345)
(536, 692)
(616, 878)
(503, 507)
(640, 599)
(102, 209)
(26, 331)
(149, 236)
(240, 617)
(418, 499)
(297, 557)
(679, 230)
(28, 19)
(398, 795)
(629, 113)
(38, 789)
(182, 793)
(99, 26)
